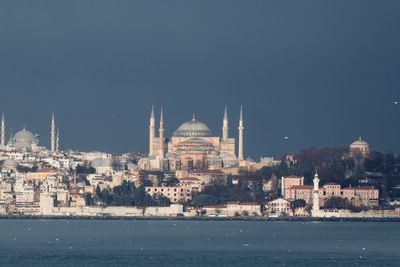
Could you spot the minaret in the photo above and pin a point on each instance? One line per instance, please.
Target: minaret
(3, 130)
(152, 129)
(58, 140)
(241, 128)
(11, 136)
(161, 132)
(315, 207)
(53, 133)
(225, 126)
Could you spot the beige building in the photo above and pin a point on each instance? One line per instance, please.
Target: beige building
(279, 206)
(304, 192)
(290, 181)
(182, 192)
(357, 196)
(232, 209)
(41, 175)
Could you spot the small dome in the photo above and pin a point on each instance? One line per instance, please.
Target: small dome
(24, 139)
(99, 162)
(193, 128)
(10, 164)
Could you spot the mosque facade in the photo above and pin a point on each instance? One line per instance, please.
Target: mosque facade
(193, 146)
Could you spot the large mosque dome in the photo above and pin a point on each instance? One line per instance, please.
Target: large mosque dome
(193, 128)
(24, 139)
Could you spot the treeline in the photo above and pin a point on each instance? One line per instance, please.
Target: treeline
(217, 194)
(127, 194)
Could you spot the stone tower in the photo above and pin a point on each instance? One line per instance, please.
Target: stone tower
(241, 129)
(161, 133)
(152, 131)
(315, 207)
(53, 137)
(3, 130)
(225, 127)
(58, 140)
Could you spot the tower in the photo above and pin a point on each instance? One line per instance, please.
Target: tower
(161, 132)
(3, 130)
(241, 129)
(58, 140)
(315, 207)
(53, 133)
(225, 127)
(152, 128)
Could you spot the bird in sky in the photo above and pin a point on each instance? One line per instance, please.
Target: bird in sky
(286, 138)
(395, 102)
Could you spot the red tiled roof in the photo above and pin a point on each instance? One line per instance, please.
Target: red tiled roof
(208, 171)
(215, 206)
(360, 188)
(331, 183)
(189, 179)
(293, 176)
(242, 203)
(302, 187)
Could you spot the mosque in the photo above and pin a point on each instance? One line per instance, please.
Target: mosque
(193, 146)
(25, 140)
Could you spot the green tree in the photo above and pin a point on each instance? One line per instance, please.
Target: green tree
(336, 203)
(203, 200)
(298, 203)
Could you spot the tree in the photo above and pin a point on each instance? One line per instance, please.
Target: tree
(203, 200)
(299, 203)
(336, 203)
(84, 169)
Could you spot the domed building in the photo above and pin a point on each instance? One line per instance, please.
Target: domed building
(10, 164)
(102, 165)
(24, 139)
(359, 148)
(192, 146)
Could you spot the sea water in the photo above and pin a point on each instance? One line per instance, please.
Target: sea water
(197, 243)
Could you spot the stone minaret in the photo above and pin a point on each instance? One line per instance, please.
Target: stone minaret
(225, 126)
(315, 207)
(161, 132)
(58, 140)
(53, 133)
(3, 130)
(241, 128)
(152, 131)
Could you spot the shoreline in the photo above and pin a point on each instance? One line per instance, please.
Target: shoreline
(180, 218)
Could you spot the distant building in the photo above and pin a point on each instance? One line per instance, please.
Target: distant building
(359, 149)
(290, 181)
(279, 206)
(367, 196)
(192, 146)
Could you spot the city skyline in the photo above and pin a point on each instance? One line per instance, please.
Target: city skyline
(52, 141)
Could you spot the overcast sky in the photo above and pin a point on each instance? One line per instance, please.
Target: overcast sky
(319, 72)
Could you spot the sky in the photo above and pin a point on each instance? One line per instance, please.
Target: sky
(321, 73)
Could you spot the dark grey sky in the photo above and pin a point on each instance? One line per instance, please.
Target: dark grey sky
(320, 72)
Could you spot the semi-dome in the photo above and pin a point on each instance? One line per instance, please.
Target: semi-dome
(10, 164)
(100, 162)
(193, 128)
(24, 139)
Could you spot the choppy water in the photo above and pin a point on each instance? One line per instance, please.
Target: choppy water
(198, 243)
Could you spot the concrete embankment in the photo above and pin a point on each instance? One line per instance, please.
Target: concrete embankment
(200, 218)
